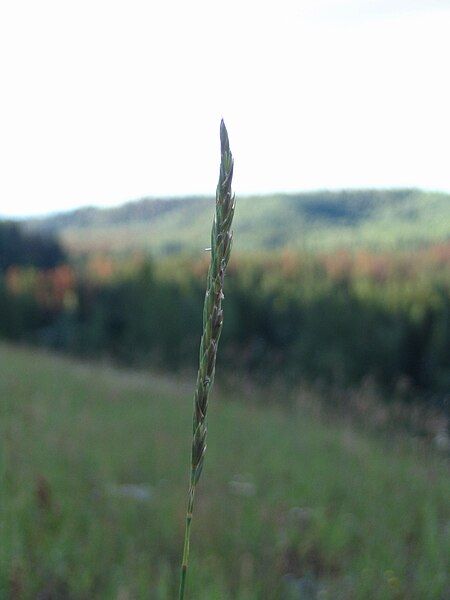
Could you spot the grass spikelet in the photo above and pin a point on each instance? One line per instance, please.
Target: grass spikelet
(221, 238)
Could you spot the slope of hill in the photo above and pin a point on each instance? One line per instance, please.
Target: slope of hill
(320, 220)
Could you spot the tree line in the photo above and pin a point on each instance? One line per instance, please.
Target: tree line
(336, 319)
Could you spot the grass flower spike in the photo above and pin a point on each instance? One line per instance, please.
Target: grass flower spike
(221, 237)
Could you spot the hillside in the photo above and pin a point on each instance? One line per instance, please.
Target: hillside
(293, 504)
(313, 221)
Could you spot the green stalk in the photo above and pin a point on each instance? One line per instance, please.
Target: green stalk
(221, 236)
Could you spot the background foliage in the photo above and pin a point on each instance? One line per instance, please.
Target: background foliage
(337, 319)
(315, 488)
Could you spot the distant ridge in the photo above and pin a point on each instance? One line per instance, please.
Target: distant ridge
(321, 220)
(128, 212)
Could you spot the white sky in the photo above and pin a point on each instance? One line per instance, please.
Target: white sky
(104, 101)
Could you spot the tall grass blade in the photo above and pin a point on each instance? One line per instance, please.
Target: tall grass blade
(221, 237)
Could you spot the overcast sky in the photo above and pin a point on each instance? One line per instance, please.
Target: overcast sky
(105, 101)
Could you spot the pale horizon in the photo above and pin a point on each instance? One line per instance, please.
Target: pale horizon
(107, 104)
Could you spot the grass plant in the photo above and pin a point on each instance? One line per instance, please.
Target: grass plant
(221, 237)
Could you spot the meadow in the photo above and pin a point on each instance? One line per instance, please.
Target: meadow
(295, 503)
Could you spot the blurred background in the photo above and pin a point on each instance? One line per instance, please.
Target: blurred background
(327, 468)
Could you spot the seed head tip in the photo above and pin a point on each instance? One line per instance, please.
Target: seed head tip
(224, 143)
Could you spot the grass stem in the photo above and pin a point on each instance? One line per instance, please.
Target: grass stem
(221, 238)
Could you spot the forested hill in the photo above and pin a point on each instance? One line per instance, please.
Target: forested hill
(378, 219)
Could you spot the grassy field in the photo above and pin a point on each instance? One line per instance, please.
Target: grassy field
(292, 504)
